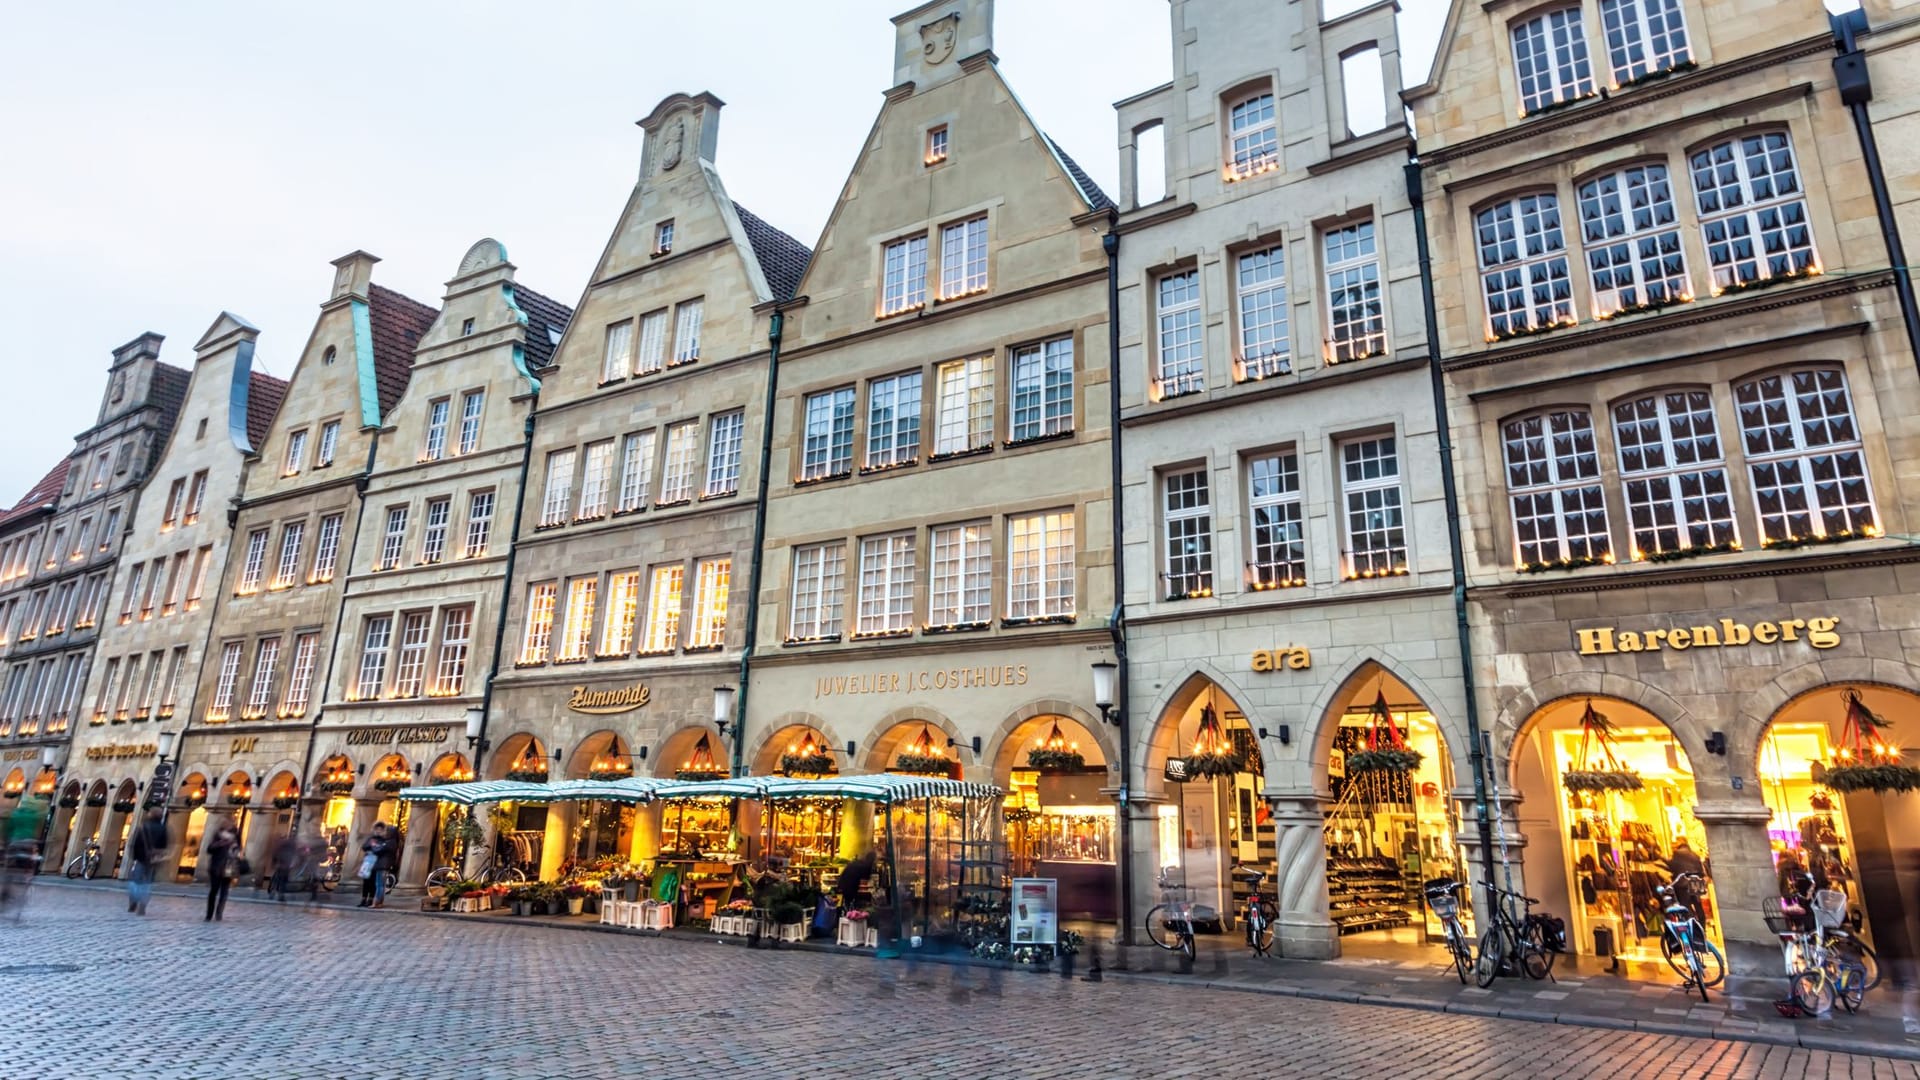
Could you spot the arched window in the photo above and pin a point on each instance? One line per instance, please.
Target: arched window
(1523, 265)
(1632, 235)
(1643, 37)
(1550, 59)
(1553, 478)
(1803, 450)
(1254, 145)
(1674, 470)
(1753, 210)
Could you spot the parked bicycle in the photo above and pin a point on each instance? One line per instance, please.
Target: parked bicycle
(1443, 896)
(1684, 940)
(87, 863)
(1526, 944)
(1819, 953)
(491, 871)
(1170, 922)
(1258, 915)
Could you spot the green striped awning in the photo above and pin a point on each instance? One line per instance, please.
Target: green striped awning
(479, 791)
(632, 789)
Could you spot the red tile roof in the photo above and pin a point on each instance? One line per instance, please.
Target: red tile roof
(264, 394)
(41, 494)
(398, 322)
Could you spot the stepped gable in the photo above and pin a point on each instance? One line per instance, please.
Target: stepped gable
(547, 319)
(783, 260)
(397, 321)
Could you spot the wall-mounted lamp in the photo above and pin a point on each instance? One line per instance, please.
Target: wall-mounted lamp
(476, 722)
(642, 755)
(1284, 733)
(1717, 744)
(850, 749)
(723, 698)
(1103, 689)
(951, 743)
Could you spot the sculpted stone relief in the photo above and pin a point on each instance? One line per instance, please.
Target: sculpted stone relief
(937, 38)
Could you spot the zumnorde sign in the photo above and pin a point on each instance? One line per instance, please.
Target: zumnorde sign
(1820, 633)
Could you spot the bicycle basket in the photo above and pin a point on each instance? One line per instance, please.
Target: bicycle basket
(1830, 909)
(1443, 905)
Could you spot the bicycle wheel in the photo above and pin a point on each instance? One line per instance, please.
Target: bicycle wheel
(1493, 951)
(76, 867)
(1850, 986)
(1713, 966)
(93, 869)
(510, 875)
(1186, 940)
(391, 879)
(1535, 960)
(1696, 975)
(1158, 929)
(442, 877)
(1813, 992)
(1462, 953)
(1853, 950)
(1260, 933)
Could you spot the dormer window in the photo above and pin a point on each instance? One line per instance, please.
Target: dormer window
(1255, 145)
(937, 145)
(1644, 37)
(1550, 60)
(663, 237)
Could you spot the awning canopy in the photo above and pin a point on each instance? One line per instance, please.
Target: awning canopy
(878, 787)
(873, 787)
(479, 791)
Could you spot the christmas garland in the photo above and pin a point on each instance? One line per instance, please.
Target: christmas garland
(804, 764)
(528, 776)
(1605, 773)
(1600, 780)
(609, 774)
(286, 801)
(1869, 764)
(1391, 759)
(1213, 753)
(923, 764)
(1048, 760)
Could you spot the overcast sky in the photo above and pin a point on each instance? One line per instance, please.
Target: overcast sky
(169, 161)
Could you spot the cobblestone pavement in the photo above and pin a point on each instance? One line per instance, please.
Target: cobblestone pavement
(287, 992)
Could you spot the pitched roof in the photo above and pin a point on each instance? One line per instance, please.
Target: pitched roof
(1089, 190)
(168, 393)
(782, 258)
(547, 319)
(41, 494)
(398, 322)
(264, 394)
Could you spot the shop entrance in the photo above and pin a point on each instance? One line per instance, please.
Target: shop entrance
(1390, 828)
(601, 829)
(1607, 808)
(1059, 824)
(1214, 818)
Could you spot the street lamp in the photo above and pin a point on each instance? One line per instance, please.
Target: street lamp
(164, 741)
(476, 723)
(723, 699)
(1103, 677)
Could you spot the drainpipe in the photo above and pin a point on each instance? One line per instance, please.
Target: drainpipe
(1117, 624)
(1850, 75)
(776, 326)
(1476, 750)
(506, 583)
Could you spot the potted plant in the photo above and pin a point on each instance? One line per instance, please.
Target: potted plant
(575, 895)
(522, 897)
(1067, 949)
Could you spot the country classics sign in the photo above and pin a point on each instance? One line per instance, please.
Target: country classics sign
(122, 750)
(608, 702)
(1726, 633)
(399, 736)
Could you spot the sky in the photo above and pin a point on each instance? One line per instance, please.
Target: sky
(167, 162)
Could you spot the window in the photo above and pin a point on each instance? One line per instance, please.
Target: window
(663, 237)
(99, 703)
(472, 404)
(827, 446)
(326, 550)
(110, 531)
(266, 661)
(1256, 141)
(559, 497)
(676, 475)
(1804, 454)
(394, 538)
(1260, 289)
(723, 453)
(619, 356)
(122, 703)
(409, 671)
(56, 547)
(126, 610)
(1182, 353)
(596, 480)
(1042, 390)
(886, 585)
(1672, 467)
(329, 444)
(176, 501)
(539, 635)
(686, 331)
(202, 563)
(433, 537)
(710, 583)
(1644, 37)
(1187, 516)
(1279, 542)
(149, 703)
(964, 408)
(374, 642)
(961, 592)
(292, 538)
(306, 648)
(479, 524)
(1523, 265)
(456, 635)
(1376, 532)
(819, 591)
(963, 258)
(576, 632)
(663, 610)
(893, 420)
(296, 453)
(466, 328)
(222, 705)
(1356, 321)
(903, 275)
(57, 610)
(82, 536)
(1553, 480)
(251, 569)
(1752, 215)
(196, 497)
(636, 471)
(653, 343)
(936, 145)
(175, 665)
(1550, 60)
(1040, 566)
(102, 463)
(623, 604)
(1633, 242)
(437, 413)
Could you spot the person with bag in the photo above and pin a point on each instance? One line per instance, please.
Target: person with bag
(223, 865)
(376, 858)
(146, 848)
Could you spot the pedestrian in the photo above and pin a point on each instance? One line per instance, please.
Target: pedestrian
(144, 850)
(223, 865)
(378, 857)
(285, 859)
(853, 879)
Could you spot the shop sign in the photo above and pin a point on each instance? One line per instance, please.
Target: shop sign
(608, 702)
(243, 744)
(20, 755)
(1601, 640)
(1291, 658)
(399, 736)
(1176, 771)
(893, 682)
(122, 750)
(1036, 903)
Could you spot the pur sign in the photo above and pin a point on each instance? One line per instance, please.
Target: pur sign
(1603, 640)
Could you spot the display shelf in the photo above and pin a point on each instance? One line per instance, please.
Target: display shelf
(1366, 894)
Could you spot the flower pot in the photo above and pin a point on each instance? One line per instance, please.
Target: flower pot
(523, 907)
(576, 904)
(630, 890)
(1066, 965)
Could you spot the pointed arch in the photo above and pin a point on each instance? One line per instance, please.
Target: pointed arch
(1170, 707)
(1003, 741)
(1350, 678)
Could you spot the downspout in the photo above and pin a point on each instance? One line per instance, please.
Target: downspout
(1117, 624)
(1856, 89)
(776, 325)
(1476, 750)
(506, 584)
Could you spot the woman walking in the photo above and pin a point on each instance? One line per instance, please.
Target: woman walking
(223, 865)
(379, 855)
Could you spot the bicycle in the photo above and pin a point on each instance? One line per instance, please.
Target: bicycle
(1443, 896)
(1258, 914)
(490, 872)
(87, 863)
(1818, 973)
(1683, 941)
(1513, 944)
(1170, 922)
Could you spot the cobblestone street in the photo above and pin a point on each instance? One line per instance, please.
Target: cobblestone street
(289, 992)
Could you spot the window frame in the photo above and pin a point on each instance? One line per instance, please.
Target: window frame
(973, 405)
(884, 605)
(1291, 526)
(1559, 463)
(1049, 408)
(1639, 24)
(712, 586)
(1750, 211)
(1045, 531)
(1258, 154)
(894, 441)
(1373, 339)
(726, 432)
(1804, 455)
(826, 453)
(1349, 487)
(1520, 220)
(819, 611)
(1629, 249)
(1564, 81)
(1671, 475)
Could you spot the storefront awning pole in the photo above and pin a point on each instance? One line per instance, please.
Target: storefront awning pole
(893, 880)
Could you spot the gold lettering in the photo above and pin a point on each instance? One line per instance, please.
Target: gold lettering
(1597, 640)
(1299, 659)
(1628, 641)
(1820, 633)
(243, 744)
(1262, 660)
(1735, 633)
(605, 702)
(1023, 675)
(1788, 627)
(1653, 638)
(1765, 633)
(1677, 638)
(1706, 635)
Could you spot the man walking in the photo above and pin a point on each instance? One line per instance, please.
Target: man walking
(147, 847)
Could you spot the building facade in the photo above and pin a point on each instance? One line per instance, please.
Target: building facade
(1287, 556)
(29, 760)
(1683, 399)
(155, 620)
(641, 506)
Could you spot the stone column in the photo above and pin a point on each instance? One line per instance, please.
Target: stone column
(646, 832)
(856, 828)
(1303, 931)
(1743, 879)
(559, 837)
(416, 849)
(1509, 848)
(57, 835)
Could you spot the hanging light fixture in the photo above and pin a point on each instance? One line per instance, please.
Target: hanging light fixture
(808, 757)
(1604, 772)
(923, 756)
(1214, 751)
(1055, 753)
(1864, 761)
(1387, 750)
(700, 765)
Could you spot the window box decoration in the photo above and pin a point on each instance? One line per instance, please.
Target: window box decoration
(68, 802)
(123, 806)
(1865, 763)
(1387, 750)
(701, 765)
(922, 757)
(1056, 754)
(391, 784)
(1214, 754)
(528, 773)
(286, 800)
(1601, 771)
(807, 759)
(98, 798)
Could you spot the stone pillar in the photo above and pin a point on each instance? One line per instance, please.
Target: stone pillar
(559, 838)
(416, 848)
(1139, 823)
(646, 831)
(1303, 931)
(57, 835)
(263, 826)
(856, 828)
(1743, 880)
(1509, 849)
